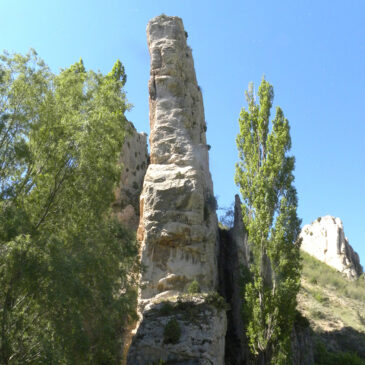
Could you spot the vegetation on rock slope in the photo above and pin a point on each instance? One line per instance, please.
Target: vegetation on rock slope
(335, 308)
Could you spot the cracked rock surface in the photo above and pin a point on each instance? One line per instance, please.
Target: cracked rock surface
(178, 228)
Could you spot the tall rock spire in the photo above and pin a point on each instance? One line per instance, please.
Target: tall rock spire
(178, 226)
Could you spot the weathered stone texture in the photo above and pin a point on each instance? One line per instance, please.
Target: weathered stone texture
(202, 337)
(325, 240)
(134, 159)
(178, 227)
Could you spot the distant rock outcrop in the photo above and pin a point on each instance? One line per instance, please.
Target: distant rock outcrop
(325, 240)
(178, 227)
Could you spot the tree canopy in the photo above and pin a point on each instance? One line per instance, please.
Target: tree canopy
(68, 270)
(265, 177)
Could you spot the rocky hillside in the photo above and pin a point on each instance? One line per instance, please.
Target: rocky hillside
(335, 308)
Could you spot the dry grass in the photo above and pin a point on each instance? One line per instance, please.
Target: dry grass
(329, 300)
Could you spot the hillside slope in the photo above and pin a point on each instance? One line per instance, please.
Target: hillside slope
(335, 308)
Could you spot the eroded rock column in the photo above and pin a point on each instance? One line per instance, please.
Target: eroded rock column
(178, 226)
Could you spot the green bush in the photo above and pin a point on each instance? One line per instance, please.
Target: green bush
(193, 287)
(217, 301)
(172, 332)
(324, 357)
(319, 297)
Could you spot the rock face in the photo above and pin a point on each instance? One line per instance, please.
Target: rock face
(234, 258)
(134, 159)
(196, 339)
(178, 227)
(302, 345)
(325, 240)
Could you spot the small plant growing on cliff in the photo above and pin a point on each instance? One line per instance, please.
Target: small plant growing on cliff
(172, 332)
(166, 309)
(193, 287)
(216, 300)
(265, 176)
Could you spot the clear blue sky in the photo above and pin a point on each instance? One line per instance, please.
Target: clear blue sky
(313, 53)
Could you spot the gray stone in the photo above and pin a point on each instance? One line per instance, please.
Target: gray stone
(134, 160)
(201, 339)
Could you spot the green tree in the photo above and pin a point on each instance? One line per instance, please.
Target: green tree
(68, 270)
(265, 177)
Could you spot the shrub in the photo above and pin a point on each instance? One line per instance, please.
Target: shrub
(193, 287)
(323, 357)
(313, 281)
(172, 332)
(319, 297)
(166, 309)
(217, 301)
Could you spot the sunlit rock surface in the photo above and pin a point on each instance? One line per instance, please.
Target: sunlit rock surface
(325, 240)
(178, 227)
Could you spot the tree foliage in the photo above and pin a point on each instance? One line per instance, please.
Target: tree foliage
(265, 177)
(67, 269)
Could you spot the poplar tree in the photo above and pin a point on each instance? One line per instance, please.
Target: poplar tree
(265, 177)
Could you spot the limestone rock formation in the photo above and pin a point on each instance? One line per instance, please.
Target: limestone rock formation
(134, 159)
(233, 260)
(178, 227)
(325, 240)
(198, 338)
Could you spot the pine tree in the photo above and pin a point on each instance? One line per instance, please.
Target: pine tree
(265, 177)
